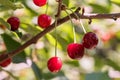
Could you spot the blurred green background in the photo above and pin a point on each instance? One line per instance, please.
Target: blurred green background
(101, 63)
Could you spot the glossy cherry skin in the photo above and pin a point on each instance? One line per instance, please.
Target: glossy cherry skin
(44, 21)
(6, 62)
(75, 50)
(54, 64)
(40, 2)
(90, 40)
(14, 23)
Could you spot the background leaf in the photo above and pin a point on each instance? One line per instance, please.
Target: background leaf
(66, 2)
(99, 8)
(97, 76)
(37, 71)
(10, 5)
(11, 45)
(3, 22)
(117, 2)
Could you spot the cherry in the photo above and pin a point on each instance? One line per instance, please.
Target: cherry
(54, 64)
(44, 21)
(75, 50)
(14, 23)
(40, 2)
(6, 62)
(90, 40)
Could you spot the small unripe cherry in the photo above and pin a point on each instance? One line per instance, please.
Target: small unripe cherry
(44, 20)
(14, 23)
(90, 40)
(75, 50)
(54, 64)
(40, 2)
(6, 62)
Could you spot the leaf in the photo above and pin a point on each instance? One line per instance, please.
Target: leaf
(37, 71)
(10, 5)
(73, 63)
(73, 8)
(19, 34)
(11, 45)
(63, 42)
(50, 76)
(97, 76)
(99, 62)
(51, 40)
(109, 2)
(99, 8)
(66, 2)
(113, 64)
(117, 2)
(3, 22)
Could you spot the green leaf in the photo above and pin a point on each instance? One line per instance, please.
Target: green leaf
(11, 45)
(99, 8)
(73, 8)
(117, 2)
(63, 42)
(8, 4)
(50, 76)
(97, 76)
(113, 64)
(37, 71)
(66, 2)
(19, 34)
(109, 2)
(73, 63)
(3, 22)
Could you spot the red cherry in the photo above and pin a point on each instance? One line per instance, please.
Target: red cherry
(44, 21)
(6, 62)
(54, 64)
(90, 40)
(40, 2)
(75, 50)
(14, 23)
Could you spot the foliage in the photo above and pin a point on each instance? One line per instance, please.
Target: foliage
(32, 62)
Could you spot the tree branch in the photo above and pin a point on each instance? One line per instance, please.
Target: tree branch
(59, 22)
(59, 9)
(100, 16)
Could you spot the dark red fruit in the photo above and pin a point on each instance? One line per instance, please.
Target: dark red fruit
(54, 64)
(75, 50)
(14, 23)
(90, 40)
(6, 62)
(44, 21)
(40, 2)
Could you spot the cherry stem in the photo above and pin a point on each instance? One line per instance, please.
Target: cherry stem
(79, 20)
(82, 26)
(55, 37)
(47, 7)
(74, 35)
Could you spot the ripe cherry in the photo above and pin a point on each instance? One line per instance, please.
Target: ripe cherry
(54, 64)
(14, 23)
(90, 40)
(44, 21)
(6, 62)
(40, 2)
(75, 50)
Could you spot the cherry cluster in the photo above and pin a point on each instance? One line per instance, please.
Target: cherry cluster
(44, 20)
(76, 50)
